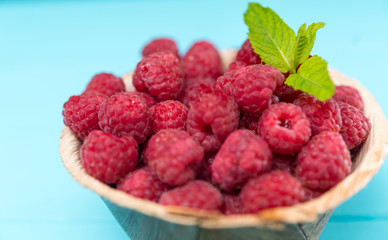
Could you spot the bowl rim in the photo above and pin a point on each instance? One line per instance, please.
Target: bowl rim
(365, 168)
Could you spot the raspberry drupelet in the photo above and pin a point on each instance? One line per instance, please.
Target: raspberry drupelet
(108, 158)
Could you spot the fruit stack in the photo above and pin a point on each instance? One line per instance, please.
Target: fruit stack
(232, 142)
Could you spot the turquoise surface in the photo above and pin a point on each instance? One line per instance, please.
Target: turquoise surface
(49, 51)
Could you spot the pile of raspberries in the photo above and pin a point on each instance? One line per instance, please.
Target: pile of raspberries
(234, 141)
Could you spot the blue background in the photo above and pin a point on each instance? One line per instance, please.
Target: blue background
(50, 50)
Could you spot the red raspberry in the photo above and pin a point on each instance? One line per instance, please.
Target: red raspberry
(349, 95)
(311, 194)
(284, 163)
(125, 115)
(212, 117)
(323, 116)
(174, 156)
(194, 88)
(243, 156)
(80, 113)
(144, 97)
(106, 83)
(246, 54)
(224, 82)
(253, 86)
(160, 45)
(285, 128)
(355, 125)
(196, 194)
(107, 157)
(235, 65)
(142, 183)
(249, 122)
(286, 93)
(169, 114)
(204, 172)
(275, 189)
(202, 60)
(160, 74)
(324, 161)
(232, 204)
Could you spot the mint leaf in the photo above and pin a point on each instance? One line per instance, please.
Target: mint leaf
(313, 78)
(305, 41)
(272, 39)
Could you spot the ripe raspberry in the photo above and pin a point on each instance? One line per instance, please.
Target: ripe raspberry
(235, 65)
(311, 194)
(285, 128)
(204, 172)
(195, 194)
(323, 162)
(323, 116)
(144, 97)
(249, 122)
(212, 117)
(160, 74)
(224, 82)
(284, 163)
(160, 45)
(194, 88)
(243, 156)
(169, 114)
(106, 83)
(355, 125)
(80, 113)
(232, 204)
(349, 95)
(142, 183)
(246, 54)
(125, 115)
(286, 93)
(107, 157)
(202, 60)
(275, 189)
(253, 86)
(174, 156)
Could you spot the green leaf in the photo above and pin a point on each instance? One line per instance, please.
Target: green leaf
(305, 41)
(272, 39)
(313, 78)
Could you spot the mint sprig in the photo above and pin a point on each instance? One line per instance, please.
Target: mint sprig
(277, 45)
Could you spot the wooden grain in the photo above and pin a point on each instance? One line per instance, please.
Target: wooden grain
(143, 219)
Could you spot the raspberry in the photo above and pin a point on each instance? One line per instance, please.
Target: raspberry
(125, 115)
(204, 172)
(144, 97)
(286, 93)
(243, 156)
(174, 156)
(323, 162)
(246, 54)
(323, 116)
(194, 88)
(349, 95)
(160, 74)
(275, 189)
(212, 117)
(235, 65)
(249, 122)
(107, 157)
(196, 194)
(224, 82)
(159, 45)
(355, 125)
(285, 128)
(80, 113)
(232, 204)
(169, 114)
(311, 194)
(253, 86)
(202, 60)
(284, 163)
(106, 83)
(142, 183)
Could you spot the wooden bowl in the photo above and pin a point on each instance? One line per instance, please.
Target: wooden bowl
(143, 220)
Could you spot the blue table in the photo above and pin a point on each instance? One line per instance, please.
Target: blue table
(50, 50)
